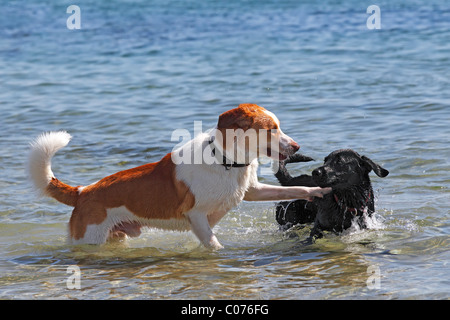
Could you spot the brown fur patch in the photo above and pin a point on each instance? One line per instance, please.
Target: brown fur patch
(62, 192)
(150, 191)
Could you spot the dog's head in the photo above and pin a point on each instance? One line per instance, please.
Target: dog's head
(344, 168)
(250, 131)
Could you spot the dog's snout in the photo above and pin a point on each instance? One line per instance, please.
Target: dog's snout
(295, 146)
(317, 172)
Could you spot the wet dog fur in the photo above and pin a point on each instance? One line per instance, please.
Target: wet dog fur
(347, 173)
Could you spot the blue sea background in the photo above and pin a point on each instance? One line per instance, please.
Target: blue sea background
(138, 70)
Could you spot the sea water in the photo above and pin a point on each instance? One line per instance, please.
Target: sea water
(136, 71)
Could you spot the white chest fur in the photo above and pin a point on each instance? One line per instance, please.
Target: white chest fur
(214, 187)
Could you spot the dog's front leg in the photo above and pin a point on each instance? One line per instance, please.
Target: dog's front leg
(316, 232)
(200, 227)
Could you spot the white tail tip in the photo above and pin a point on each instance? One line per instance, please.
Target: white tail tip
(41, 152)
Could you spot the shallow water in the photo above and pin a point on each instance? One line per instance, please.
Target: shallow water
(136, 71)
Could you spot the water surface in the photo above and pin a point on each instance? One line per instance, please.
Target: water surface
(138, 70)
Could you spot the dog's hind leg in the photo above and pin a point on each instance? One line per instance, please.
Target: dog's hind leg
(86, 227)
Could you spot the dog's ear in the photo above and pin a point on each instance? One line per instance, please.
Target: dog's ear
(381, 172)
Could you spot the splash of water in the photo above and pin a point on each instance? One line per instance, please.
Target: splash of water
(371, 222)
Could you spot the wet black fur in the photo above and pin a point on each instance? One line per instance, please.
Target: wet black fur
(347, 173)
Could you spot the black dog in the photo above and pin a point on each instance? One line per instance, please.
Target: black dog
(347, 173)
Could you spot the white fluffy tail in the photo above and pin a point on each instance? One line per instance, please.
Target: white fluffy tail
(41, 153)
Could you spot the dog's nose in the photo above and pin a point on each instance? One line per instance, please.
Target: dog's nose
(317, 172)
(295, 146)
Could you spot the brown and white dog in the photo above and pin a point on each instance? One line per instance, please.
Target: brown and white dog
(174, 194)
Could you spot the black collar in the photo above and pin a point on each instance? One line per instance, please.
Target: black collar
(226, 162)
